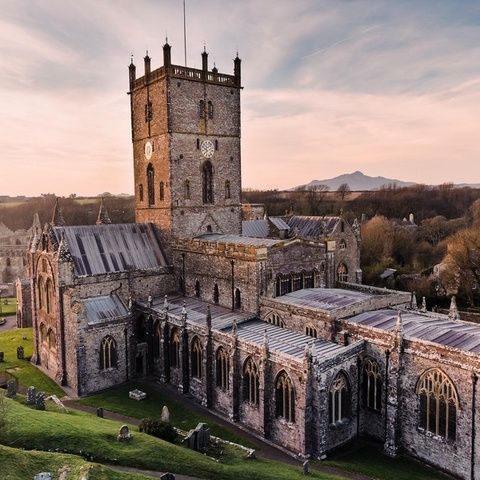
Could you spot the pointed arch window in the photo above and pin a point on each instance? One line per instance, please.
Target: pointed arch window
(216, 294)
(141, 329)
(201, 109)
(52, 341)
(284, 397)
(43, 333)
(196, 358)
(210, 109)
(207, 182)
(108, 353)
(140, 192)
(342, 244)
(438, 404)
(223, 368)
(49, 295)
(197, 288)
(175, 348)
(275, 319)
(228, 193)
(372, 385)
(151, 184)
(340, 399)
(251, 382)
(342, 273)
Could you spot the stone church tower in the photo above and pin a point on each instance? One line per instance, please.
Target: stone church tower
(186, 144)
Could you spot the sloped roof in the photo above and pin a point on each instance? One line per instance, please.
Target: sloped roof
(313, 227)
(239, 240)
(100, 249)
(279, 223)
(104, 308)
(255, 228)
(437, 329)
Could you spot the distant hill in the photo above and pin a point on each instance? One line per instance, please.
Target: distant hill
(357, 182)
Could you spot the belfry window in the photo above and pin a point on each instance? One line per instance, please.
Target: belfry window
(438, 404)
(284, 397)
(207, 182)
(223, 368)
(151, 184)
(251, 382)
(372, 385)
(210, 109)
(339, 404)
(201, 109)
(311, 331)
(108, 353)
(196, 358)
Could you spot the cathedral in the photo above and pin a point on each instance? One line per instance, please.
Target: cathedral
(262, 319)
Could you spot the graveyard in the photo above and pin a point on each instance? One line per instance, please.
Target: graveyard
(43, 434)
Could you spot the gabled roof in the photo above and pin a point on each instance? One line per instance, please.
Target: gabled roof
(313, 227)
(279, 223)
(100, 249)
(255, 228)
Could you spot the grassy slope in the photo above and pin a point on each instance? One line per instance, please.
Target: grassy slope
(95, 440)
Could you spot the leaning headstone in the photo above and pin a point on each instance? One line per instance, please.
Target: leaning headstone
(11, 388)
(167, 476)
(124, 433)
(20, 353)
(100, 412)
(191, 440)
(165, 414)
(31, 396)
(40, 401)
(305, 467)
(1, 356)
(43, 476)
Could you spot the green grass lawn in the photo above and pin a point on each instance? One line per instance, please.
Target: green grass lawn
(95, 440)
(10, 308)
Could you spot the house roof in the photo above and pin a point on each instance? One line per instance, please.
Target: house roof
(433, 328)
(100, 249)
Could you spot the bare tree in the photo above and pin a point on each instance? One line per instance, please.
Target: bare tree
(343, 191)
(315, 195)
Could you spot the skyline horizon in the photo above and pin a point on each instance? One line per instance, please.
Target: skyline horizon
(390, 90)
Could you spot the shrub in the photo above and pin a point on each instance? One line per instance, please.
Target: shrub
(158, 428)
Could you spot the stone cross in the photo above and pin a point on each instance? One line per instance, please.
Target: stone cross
(31, 396)
(11, 388)
(40, 401)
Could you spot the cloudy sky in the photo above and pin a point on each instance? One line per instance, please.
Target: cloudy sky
(390, 88)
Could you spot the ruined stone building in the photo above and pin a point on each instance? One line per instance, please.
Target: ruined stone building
(270, 328)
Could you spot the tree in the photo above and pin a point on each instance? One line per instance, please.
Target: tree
(343, 191)
(461, 266)
(315, 195)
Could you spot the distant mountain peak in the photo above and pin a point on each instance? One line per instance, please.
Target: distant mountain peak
(358, 182)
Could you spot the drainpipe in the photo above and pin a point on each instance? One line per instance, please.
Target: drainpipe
(358, 395)
(474, 388)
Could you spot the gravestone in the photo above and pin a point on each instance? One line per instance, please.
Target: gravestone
(31, 396)
(20, 352)
(203, 437)
(167, 476)
(24, 337)
(305, 467)
(137, 394)
(1, 356)
(100, 412)
(11, 388)
(124, 433)
(40, 401)
(165, 414)
(191, 440)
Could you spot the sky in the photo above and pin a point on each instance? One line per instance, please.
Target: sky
(389, 88)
